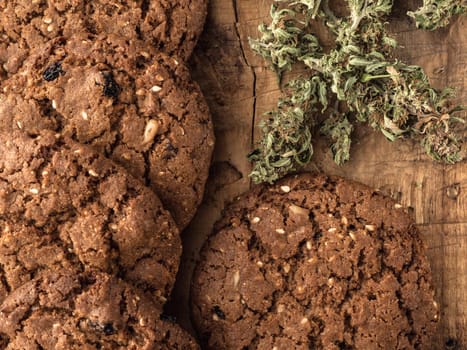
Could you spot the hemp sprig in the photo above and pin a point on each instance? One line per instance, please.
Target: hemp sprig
(359, 72)
(287, 131)
(285, 39)
(434, 14)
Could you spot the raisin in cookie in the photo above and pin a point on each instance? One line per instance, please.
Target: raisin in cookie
(64, 310)
(84, 208)
(169, 26)
(314, 262)
(139, 108)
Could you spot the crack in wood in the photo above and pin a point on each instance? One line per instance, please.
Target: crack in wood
(242, 49)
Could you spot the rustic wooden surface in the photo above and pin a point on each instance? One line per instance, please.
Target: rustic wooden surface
(239, 89)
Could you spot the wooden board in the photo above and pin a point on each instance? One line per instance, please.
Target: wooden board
(239, 89)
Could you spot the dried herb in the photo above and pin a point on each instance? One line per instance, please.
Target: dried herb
(360, 73)
(170, 151)
(285, 39)
(434, 14)
(110, 88)
(52, 72)
(287, 130)
(338, 128)
(106, 328)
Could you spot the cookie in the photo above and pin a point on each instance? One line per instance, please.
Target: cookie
(169, 26)
(314, 262)
(63, 310)
(82, 208)
(140, 109)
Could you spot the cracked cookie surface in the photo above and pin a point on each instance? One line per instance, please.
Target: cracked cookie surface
(169, 26)
(64, 310)
(314, 262)
(138, 107)
(63, 204)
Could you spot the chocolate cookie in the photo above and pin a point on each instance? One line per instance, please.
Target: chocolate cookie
(314, 262)
(169, 26)
(70, 311)
(79, 208)
(140, 109)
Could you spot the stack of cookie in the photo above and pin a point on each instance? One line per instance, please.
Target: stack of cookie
(314, 262)
(105, 144)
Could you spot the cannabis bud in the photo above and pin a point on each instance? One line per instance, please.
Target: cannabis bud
(434, 14)
(358, 73)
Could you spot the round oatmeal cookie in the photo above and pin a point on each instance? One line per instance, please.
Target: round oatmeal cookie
(169, 26)
(65, 310)
(85, 211)
(314, 262)
(139, 108)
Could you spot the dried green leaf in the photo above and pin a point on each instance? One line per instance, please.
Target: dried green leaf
(434, 14)
(338, 128)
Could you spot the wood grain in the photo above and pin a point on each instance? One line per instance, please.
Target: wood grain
(239, 89)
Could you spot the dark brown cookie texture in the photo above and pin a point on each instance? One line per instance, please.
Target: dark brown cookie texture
(169, 26)
(77, 207)
(314, 262)
(139, 108)
(64, 310)
(174, 27)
